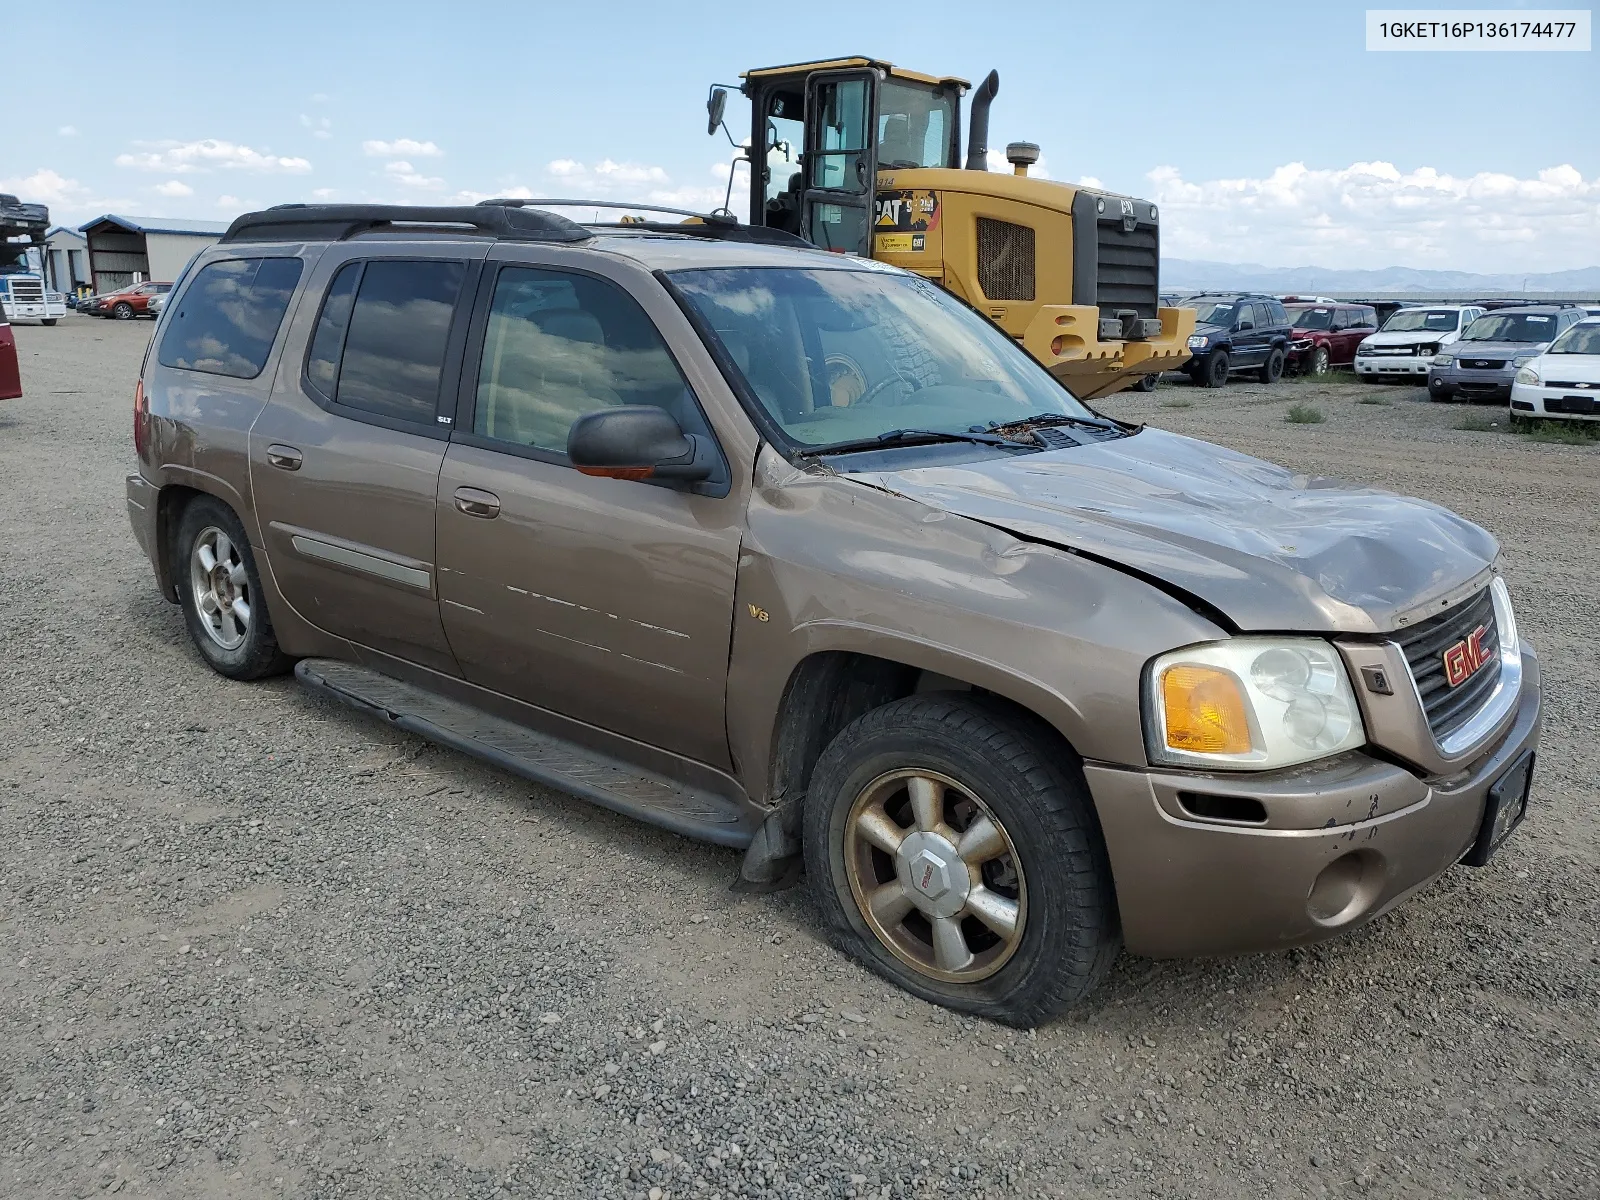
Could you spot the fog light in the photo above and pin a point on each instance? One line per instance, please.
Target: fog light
(1345, 888)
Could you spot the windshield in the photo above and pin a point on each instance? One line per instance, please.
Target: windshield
(1511, 327)
(914, 124)
(1210, 312)
(1580, 339)
(1314, 318)
(836, 356)
(1414, 320)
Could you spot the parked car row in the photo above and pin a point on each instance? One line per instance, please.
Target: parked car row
(126, 303)
(1471, 351)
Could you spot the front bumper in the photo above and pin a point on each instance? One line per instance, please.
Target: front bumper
(1066, 339)
(1395, 367)
(1568, 404)
(1470, 384)
(1189, 885)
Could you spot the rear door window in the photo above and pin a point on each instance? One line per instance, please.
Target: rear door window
(379, 346)
(228, 318)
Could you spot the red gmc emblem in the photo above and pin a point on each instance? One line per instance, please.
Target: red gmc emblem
(1463, 660)
(927, 874)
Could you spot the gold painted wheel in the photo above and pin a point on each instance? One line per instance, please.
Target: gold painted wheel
(935, 875)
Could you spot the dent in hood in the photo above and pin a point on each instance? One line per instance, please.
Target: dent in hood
(1269, 549)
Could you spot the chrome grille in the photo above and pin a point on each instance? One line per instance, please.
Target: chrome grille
(1424, 645)
(1005, 260)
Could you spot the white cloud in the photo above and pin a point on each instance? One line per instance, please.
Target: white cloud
(173, 188)
(45, 186)
(401, 146)
(324, 193)
(232, 203)
(68, 131)
(320, 127)
(187, 157)
(641, 183)
(406, 175)
(1375, 215)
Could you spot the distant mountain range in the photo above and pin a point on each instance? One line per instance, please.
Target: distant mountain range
(1180, 273)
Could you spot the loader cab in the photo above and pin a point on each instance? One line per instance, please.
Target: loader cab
(821, 132)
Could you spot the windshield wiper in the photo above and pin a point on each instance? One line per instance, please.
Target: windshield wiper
(895, 437)
(1101, 424)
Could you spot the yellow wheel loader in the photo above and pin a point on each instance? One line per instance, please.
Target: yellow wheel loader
(863, 157)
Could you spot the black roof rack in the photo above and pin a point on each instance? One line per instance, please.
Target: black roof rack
(723, 226)
(335, 222)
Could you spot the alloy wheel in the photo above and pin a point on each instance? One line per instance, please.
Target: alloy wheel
(935, 875)
(1319, 361)
(221, 587)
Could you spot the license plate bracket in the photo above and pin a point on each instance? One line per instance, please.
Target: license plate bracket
(1503, 810)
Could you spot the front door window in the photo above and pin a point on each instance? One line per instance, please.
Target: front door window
(841, 136)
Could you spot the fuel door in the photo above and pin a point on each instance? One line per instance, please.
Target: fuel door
(841, 168)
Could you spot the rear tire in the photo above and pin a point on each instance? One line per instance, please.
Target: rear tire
(1214, 371)
(1021, 922)
(1272, 370)
(48, 321)
(1147, 382)
(220, 590)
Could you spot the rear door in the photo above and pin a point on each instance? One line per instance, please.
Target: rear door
(841, 165)
(345, 458)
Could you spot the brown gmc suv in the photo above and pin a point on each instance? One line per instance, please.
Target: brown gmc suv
(795, 552)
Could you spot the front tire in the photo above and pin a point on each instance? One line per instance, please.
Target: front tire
(123, 311)
(49, 321)
(1214, 371)
(952, 847)
(1147, 382)
(220, 590)
(1272, 370)
(1319, 361)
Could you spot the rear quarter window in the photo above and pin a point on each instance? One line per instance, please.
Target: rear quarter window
(228, 318)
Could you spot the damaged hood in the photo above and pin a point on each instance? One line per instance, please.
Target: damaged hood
(1269, 549)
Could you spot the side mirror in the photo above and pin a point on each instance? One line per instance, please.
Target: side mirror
(637, 441)
(1246, 323)
(716, 105)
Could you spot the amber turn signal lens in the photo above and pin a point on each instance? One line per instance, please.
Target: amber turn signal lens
(1205, 711)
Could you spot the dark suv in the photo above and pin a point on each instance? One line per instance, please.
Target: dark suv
(796, 553)
(1237, 332)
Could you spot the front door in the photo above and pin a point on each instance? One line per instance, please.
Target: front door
(1250, 338)
(345, 458)
(841, 164)
(605, 600)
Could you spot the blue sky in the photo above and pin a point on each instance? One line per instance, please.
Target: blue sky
(1267, 130)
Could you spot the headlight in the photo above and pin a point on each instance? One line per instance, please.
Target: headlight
(1365, 349)
(1250, 704)
(1199, 343)
(1442, 360)
(1529, 375)
(1523, 360)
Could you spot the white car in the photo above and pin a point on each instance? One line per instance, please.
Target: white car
(1404, 348)
(1564, 381)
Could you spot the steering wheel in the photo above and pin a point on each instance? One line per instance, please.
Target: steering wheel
(868, 396)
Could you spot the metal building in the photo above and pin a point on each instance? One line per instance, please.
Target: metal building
(125, 250)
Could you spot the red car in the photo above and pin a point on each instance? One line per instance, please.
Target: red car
(1326, 335)
(132, 301)
(10, 373)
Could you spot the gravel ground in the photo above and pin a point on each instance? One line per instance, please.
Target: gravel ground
(254, 944)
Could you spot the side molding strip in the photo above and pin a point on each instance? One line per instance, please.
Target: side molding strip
(369, 564)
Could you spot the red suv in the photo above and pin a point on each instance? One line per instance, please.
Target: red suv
(1326, 334)
(130, 302)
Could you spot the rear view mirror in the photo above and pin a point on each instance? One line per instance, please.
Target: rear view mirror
(637, 441)
(716, 105)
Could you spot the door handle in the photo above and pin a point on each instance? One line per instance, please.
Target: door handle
(477, 503)
(285, 458)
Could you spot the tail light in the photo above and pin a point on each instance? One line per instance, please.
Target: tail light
(141, 414)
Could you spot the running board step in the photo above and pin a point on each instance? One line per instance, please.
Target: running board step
(692, 812)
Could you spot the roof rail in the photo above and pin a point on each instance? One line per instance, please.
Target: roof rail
(723, 225)
(335, 222)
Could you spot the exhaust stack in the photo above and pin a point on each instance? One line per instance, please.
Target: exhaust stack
(978, 142)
